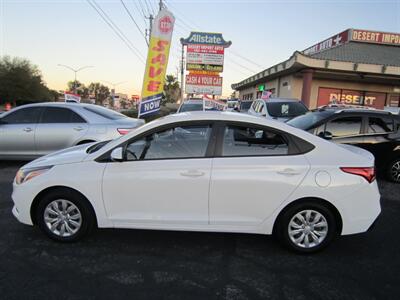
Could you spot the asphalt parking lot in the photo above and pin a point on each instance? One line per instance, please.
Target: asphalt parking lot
(138, 264)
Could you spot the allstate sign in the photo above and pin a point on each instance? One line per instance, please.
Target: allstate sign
(206, 38)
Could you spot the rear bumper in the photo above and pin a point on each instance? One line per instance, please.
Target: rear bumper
(360, 210)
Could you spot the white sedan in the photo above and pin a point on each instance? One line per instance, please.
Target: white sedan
(204, 171)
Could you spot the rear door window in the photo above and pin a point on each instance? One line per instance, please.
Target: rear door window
(60, 115)
(380, 124)
(248, 141)
(344, 126)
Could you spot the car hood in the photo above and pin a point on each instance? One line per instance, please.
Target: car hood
(67, 156)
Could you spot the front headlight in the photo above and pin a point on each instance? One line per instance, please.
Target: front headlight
(29, 173)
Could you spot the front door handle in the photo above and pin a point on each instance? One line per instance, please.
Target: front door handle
(288, 172)
(27, 129)
(79, 128)
(192, 173)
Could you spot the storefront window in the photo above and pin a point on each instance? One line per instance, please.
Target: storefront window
(350, 97)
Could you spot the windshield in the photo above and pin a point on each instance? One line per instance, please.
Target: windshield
(191, 107)
(105, 112)
(286, 109)
(308, 120)
(245, 105)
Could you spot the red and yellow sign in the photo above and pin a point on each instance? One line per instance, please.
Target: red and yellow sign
(157, 61)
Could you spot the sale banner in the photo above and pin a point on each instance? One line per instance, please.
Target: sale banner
(157, 61)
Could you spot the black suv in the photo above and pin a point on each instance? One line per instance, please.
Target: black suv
(374, 130)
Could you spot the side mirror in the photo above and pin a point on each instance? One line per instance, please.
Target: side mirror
(326, 135)
(117, 154)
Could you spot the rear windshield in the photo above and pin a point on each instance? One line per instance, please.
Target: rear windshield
(286, 109)
(308, 120)
(191, 107)
(105, 112)
(245, 105)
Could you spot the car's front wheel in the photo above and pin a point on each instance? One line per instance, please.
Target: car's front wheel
(393, 170)
(64, 216)
(307, 227)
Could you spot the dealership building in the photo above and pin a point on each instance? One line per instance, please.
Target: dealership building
(357, 67)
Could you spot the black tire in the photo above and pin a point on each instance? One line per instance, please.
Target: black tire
(87, 220)
(393, 170)
(282, 229)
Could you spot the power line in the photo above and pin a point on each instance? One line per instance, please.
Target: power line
(147, 6)
(137, 26)
(246, 59)
(140, 11)
(116, 30)
(142, 8)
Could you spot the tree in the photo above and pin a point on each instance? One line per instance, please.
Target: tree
(172, 89)
(81, 89)
(21, 81)
(100, 92)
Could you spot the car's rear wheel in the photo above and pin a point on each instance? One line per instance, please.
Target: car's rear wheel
(307, 227)
(393, 170)
(64, 216)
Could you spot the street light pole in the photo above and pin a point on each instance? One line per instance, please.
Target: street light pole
(113, 85)
(75, 71)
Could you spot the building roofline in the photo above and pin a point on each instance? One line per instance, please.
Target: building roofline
(298, 61)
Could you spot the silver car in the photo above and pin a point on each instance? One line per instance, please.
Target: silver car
(34, 130)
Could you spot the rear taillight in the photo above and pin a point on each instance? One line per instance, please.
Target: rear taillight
(368, 173)
(123, 131)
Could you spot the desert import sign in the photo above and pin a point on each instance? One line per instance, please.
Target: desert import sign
(205, 55)
(203, 84)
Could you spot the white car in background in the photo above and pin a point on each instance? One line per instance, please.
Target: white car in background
(214, 171)
(279, 109)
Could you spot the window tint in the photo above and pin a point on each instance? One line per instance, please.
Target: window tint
(178, 142)
(192, 107)
(286, 109)
(380, 124)
(344, 126)
(247, 141)
(60, 115)
(23, 116)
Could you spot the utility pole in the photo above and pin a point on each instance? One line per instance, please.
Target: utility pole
(182, 73)
(150, 18)
(161, 5)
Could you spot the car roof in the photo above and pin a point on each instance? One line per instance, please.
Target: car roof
(339, 110)
(279, 100)
(62, 104)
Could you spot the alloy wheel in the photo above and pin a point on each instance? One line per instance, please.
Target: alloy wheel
(395, 171)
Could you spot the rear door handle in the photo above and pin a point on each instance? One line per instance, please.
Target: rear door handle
(192, 173)
(27, 129)
(289, 172)
(79, 128)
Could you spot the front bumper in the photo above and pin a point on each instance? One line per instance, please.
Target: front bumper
(22, 199)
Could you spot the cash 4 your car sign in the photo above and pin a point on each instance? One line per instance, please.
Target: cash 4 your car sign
(203, 84)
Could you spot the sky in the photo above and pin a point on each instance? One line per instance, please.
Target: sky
(263, 33)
